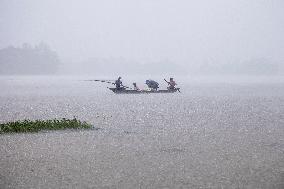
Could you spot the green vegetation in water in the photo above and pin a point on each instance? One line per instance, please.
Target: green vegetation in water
(38, 125)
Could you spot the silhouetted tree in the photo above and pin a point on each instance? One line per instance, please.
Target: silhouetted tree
(28, 60)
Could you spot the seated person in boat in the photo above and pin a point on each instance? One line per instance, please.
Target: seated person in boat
(136, 88)
(118, 84)
(153, 85)
(172, 84)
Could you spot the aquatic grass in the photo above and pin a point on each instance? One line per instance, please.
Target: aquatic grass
(38, 125)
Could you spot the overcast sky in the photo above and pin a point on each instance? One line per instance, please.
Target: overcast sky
(179, 30)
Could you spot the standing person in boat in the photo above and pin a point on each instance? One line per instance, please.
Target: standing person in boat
(136, 87)
(118, 84)
(153, 85)
(172, 84)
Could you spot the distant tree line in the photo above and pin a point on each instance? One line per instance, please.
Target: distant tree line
(39, 59)
(260, 66)
(122, 65)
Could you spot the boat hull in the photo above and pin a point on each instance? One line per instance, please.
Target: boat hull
(126, 91)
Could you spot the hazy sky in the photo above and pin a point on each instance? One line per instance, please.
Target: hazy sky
(179, 30)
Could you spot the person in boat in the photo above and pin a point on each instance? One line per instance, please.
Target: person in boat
(136, 88)
(172, 84)
(118, 84)
(153, 85)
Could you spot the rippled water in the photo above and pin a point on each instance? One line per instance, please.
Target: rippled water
(216, 133)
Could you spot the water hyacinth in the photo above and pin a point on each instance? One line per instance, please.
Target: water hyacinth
(38, 125)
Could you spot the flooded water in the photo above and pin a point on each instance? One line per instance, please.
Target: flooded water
(216, 133)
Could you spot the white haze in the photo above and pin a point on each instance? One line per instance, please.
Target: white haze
(184, 32)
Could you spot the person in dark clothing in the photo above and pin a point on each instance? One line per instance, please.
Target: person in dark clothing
(136, 88)
(118, 84)
(153, 85)
(172, 84)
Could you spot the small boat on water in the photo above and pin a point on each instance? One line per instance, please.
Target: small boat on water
(153, 86)
(131, 91)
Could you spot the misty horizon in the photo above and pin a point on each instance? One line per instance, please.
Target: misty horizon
(40, 59)
(220, 37)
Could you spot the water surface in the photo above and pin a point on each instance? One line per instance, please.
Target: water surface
(217, 133)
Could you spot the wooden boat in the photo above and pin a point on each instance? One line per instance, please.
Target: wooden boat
(131, 91)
